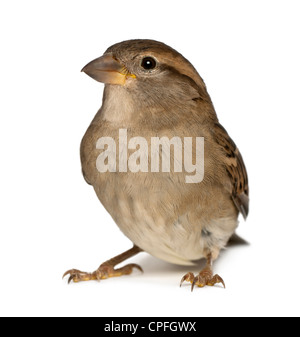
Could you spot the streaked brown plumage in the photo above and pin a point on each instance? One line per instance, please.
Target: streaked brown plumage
(159, 212)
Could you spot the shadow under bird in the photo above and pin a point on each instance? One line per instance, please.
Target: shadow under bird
(151, 90)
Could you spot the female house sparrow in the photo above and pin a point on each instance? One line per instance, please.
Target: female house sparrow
(153, 91)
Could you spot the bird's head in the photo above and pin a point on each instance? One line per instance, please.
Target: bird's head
(150, 70)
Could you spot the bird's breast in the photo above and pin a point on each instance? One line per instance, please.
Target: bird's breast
(159, 211)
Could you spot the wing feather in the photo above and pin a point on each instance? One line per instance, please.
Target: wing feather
(236, 169)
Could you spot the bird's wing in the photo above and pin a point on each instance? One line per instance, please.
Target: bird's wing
(236, 169)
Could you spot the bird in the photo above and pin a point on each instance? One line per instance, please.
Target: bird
(151, 90)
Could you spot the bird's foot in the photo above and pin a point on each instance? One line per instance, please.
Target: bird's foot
(103, 272)
(205, 278)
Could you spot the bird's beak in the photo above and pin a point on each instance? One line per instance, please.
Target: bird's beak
(107, 69)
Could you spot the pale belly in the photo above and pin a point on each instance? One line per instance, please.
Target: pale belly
(178, 238)
(176, 242)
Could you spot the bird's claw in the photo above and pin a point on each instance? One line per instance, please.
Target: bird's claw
(203, 279)
(189, 277)
(78, 276)
(103, 272)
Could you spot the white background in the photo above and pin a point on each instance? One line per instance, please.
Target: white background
(248, 53)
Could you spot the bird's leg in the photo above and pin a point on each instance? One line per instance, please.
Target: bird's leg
(205, 277)
(106, 269)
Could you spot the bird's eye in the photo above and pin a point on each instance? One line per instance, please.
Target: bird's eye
(148, 63)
